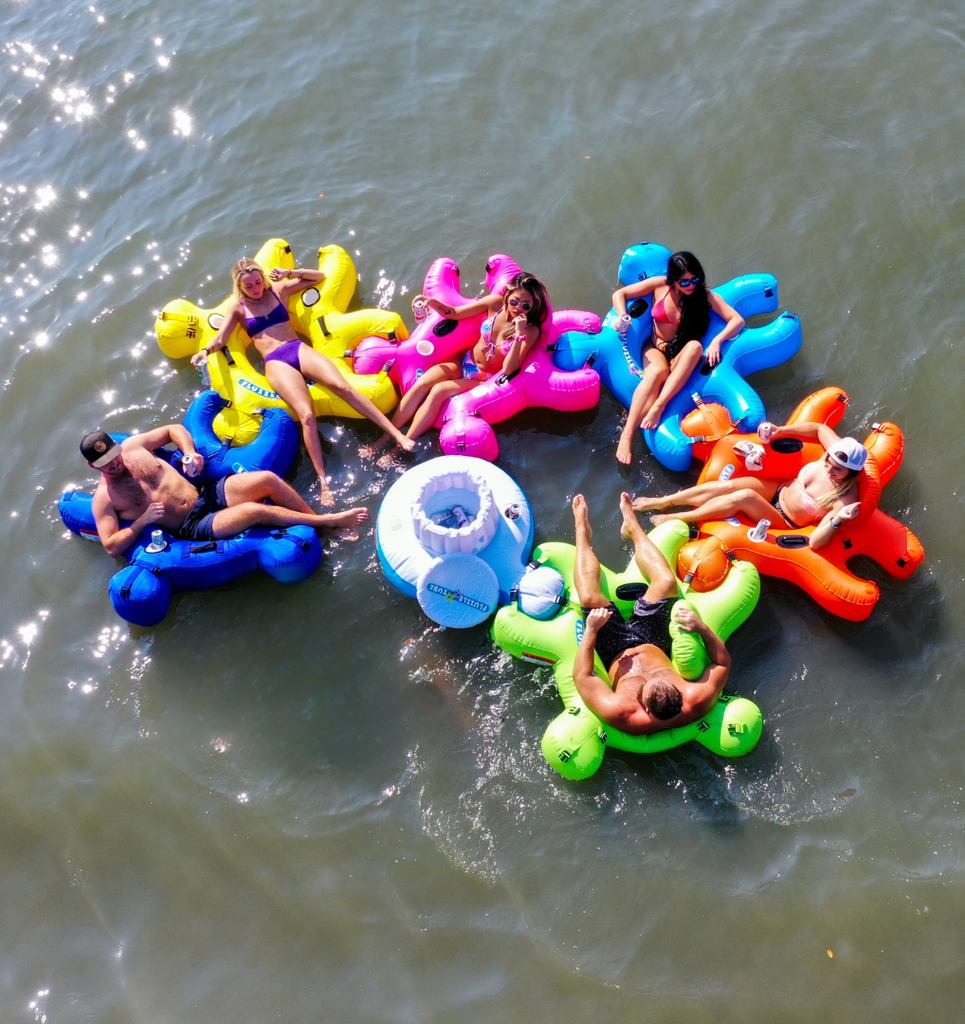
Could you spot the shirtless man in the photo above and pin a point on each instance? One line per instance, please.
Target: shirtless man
(139, 487)
(646, 695)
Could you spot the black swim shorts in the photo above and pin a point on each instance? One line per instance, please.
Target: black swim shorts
(197, 523)
(649, 623)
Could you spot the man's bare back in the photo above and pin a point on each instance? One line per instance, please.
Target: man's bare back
(638, 666)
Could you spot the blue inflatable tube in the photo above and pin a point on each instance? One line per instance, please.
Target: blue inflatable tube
(618, 360)
(274, 448)
(141, 592)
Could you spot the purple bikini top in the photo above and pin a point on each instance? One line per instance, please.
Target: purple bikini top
(256, 325)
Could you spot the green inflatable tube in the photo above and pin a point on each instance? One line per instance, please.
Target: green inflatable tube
(575, 742)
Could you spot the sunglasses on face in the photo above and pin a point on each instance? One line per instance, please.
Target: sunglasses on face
(521, 304)
(688, 282)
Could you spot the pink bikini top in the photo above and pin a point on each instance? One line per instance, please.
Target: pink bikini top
(490, 346)
(810, 505)
(660, 314)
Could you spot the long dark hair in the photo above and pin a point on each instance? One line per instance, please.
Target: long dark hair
(694, 308)
(536, 288)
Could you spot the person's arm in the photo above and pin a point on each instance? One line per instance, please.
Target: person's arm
(635, 291)
(293, 281)
(807, 431)
(232, 319)
(487, 304)
(824, 532)
(115, 538)
(597, 694)
(173, 433)
(733, 325)
(524, 343)
(705, 690)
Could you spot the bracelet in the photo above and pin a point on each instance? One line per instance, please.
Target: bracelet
(833, 524)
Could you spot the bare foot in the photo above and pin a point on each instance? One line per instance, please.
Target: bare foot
(630, 522)
(369, 450)
(643, 504)
(388, 460)
(582, 516)
(325, 498)
(652, 420)
(343, 532)
(625, 449)
(657, 520)
(349, 517)
(405, 443)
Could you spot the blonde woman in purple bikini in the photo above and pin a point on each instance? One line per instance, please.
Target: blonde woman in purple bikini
(260, 307)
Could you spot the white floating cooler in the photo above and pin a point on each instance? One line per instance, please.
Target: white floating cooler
(459, 574)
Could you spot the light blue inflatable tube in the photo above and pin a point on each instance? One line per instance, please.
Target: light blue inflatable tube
(618, 360)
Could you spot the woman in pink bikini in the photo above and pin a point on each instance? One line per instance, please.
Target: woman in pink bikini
(681, 316)
(507, 337)
(262, 310)
(824, 492)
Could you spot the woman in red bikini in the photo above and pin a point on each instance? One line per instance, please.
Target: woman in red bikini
(824, 492)
(262, 310)
(681, 316)
(507, 338)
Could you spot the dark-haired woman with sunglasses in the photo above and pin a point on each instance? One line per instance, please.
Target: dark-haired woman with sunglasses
(681, 315)
(508, 337)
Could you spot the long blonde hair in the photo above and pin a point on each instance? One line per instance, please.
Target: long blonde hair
(839, 490)
(242, 267)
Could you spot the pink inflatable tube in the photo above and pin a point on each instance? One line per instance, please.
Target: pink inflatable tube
(465, 421)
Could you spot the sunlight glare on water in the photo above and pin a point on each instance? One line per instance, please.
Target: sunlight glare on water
(307, 802)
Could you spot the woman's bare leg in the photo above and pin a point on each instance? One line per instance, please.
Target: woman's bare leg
(681, 367)
(415, 396)
(746, 500)
(292, 387)
(320, 368)
(431, 407)
(656, 369)
(700, 493)
(411, 401)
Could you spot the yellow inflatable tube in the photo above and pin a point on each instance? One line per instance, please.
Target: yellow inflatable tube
(318, 313)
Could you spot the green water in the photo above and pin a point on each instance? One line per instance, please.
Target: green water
(305, 803)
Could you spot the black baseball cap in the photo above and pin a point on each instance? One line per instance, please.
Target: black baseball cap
(99, 448)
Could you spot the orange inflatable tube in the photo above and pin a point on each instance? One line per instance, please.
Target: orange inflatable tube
(784, 552)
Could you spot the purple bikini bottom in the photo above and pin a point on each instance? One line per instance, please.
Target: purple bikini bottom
(287, 353)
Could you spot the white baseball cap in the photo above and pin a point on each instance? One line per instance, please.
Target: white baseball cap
(848, 454)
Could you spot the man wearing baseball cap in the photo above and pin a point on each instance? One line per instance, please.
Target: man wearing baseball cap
(645, 694)
(141, 489)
